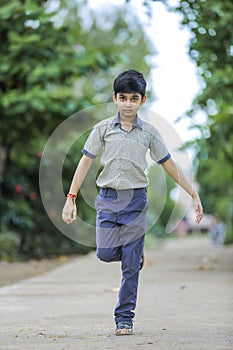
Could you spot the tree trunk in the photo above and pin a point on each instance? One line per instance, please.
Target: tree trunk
(3, 155)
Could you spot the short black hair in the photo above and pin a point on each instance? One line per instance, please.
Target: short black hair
(130, 81)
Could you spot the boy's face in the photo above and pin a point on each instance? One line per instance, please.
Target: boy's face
(128, 103)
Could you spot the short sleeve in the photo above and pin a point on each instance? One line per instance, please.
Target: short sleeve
(158, 150)
(94, 143)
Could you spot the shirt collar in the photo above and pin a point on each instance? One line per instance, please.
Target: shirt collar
(137, 121)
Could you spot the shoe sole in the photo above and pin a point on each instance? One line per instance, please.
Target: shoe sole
(124, 331)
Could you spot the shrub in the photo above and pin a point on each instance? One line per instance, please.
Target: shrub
(9, 246)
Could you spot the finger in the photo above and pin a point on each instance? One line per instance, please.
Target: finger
(68, 221)
(74, 215)
(199, 214)
(66, 217)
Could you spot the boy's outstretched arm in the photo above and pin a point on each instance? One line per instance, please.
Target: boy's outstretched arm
(69, 212)
(175, 172)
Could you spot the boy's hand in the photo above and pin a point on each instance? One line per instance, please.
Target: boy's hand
(69, 212)
(198, 208)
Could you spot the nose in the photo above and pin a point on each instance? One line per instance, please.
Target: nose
(128, 103)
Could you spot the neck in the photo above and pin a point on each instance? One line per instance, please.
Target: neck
(127, 120)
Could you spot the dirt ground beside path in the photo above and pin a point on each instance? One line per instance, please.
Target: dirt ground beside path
(184, 303)
(16, 271)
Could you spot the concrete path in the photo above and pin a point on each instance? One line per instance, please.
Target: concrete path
(185, 302)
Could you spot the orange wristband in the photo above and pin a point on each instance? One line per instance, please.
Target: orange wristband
(70, 195)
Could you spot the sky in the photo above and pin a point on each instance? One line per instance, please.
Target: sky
(174, 78)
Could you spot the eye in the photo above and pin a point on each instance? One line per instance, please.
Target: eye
(122, 98)
(135, 99)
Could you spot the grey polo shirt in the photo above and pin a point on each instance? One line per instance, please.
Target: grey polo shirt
(124, 152)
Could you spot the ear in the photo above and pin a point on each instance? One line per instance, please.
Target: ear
(114, 98)
(143, 100)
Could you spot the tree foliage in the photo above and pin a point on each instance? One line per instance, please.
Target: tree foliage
(211, 48)
(52, 65)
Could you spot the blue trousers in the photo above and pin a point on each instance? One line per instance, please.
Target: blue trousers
(130, 256)
(120, 228)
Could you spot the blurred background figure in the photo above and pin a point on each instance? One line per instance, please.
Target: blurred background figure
(217, 231)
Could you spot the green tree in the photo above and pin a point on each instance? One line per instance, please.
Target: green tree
(211, 26)
(38, 65)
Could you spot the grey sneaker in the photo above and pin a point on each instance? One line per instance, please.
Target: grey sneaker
(124, 328)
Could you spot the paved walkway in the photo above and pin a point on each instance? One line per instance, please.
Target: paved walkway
(185, 302)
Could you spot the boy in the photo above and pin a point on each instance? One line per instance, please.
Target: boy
(121, 204)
